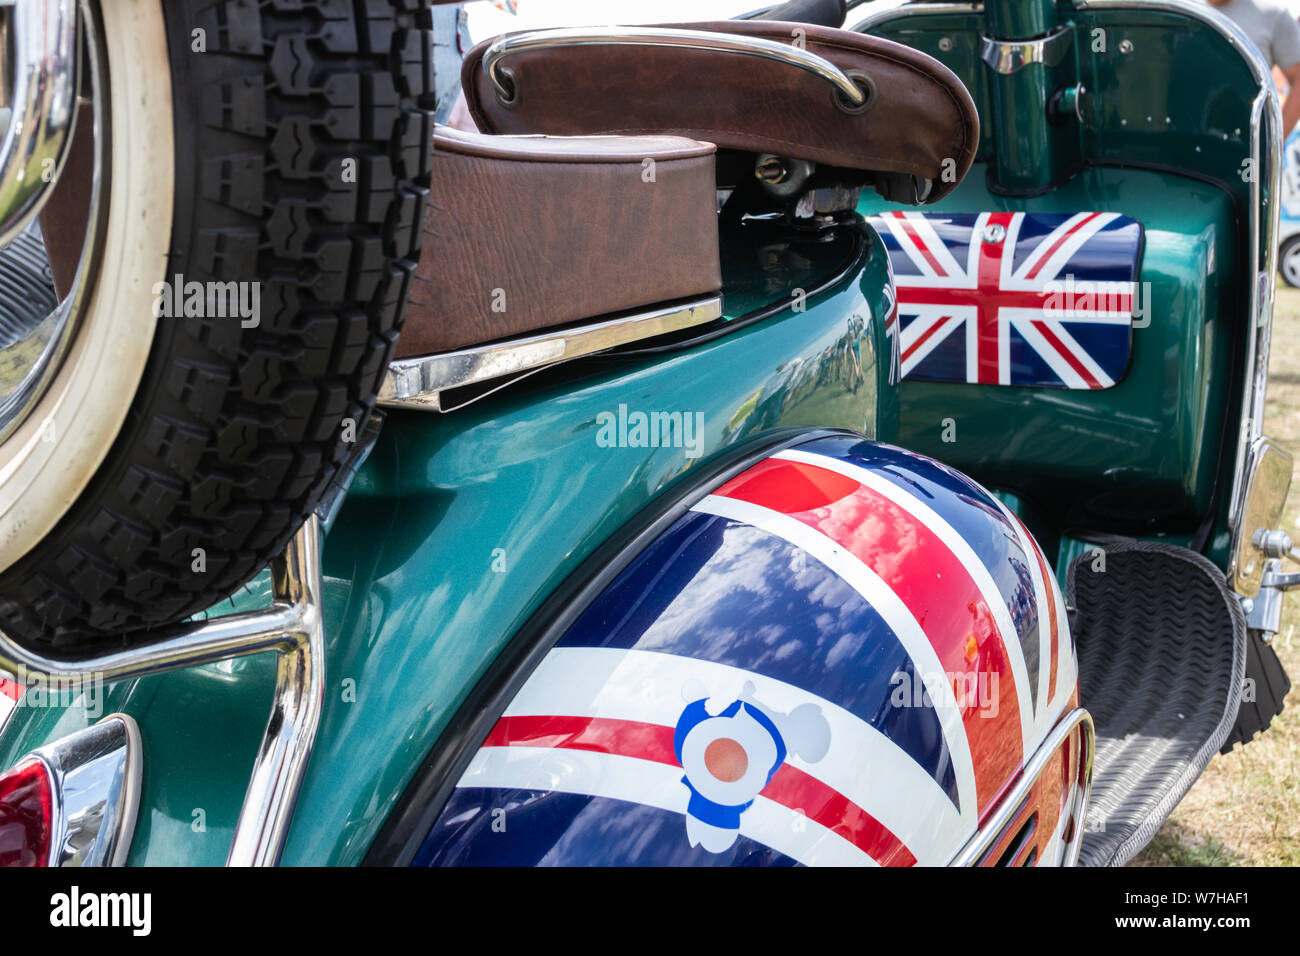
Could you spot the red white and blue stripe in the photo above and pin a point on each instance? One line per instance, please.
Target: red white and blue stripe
(10, 694)
(1002, 298)
(733, 696)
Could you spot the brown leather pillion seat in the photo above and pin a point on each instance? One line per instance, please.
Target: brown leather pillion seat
(552, 230)
(525, 233)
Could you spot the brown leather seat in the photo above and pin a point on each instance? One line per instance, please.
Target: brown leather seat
(525, 233)
(615, 208)
(921, 121)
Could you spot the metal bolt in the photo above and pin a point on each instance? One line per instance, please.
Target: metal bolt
(1125, 46)
(995, 233)
(945, 44)
(771, 171)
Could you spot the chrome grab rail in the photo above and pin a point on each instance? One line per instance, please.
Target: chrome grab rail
(669, 37)
(1010, 804)
(909, 9)
(45, 39)
(1265, 134)
(291, 627)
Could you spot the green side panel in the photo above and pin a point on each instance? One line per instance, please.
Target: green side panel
(458, 526)
(1165, 137)
(1162, 90)
(1020, 18)
(200, 729)
(1142, 456)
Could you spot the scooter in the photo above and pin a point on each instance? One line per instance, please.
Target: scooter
(803, 445)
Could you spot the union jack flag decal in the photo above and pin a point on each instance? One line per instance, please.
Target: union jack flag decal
(1003, 298)
(840, 656)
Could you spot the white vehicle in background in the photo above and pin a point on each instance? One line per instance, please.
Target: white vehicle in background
(1288, 227)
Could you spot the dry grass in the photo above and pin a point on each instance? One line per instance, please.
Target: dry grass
(1245, 809)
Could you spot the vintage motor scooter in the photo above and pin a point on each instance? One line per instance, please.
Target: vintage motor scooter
(804, 445)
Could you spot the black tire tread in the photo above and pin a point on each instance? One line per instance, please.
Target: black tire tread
(234, 433)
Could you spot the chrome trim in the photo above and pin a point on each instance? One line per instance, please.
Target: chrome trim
(94, 778)
(669, 37)
(291, 627)
(911, 9)
(295, 710)
(1009, 56)
(1268, 479)
(1010, 804)
(1264, 610)
(336, 492)
(419, 382)
(61, 327)
(45, 41)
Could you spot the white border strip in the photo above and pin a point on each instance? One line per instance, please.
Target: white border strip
(887, 604)
(965, 554)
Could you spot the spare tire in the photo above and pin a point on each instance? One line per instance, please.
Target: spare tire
(263, 173)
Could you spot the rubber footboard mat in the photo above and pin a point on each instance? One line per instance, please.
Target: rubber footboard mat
(1161, 644)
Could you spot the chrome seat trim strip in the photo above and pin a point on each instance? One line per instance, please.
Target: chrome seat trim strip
(419, 382)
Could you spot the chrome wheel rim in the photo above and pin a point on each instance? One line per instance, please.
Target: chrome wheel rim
(30, 357)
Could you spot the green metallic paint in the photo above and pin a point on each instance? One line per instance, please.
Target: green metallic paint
(1020, 19)
(417, 597)
(1028, 157)
(200, 729)
(1165, 138)
(1163, 91)
(458, 526)
(1141, 456)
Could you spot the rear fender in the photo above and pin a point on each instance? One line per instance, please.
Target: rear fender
(838, 652)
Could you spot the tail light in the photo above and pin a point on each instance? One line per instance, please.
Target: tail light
(26, 814)
(73, 802)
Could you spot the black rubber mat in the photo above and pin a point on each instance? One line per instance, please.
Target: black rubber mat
(1162, 655)
(1263, 692)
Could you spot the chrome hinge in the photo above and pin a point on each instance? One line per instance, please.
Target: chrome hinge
(1010, 56)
